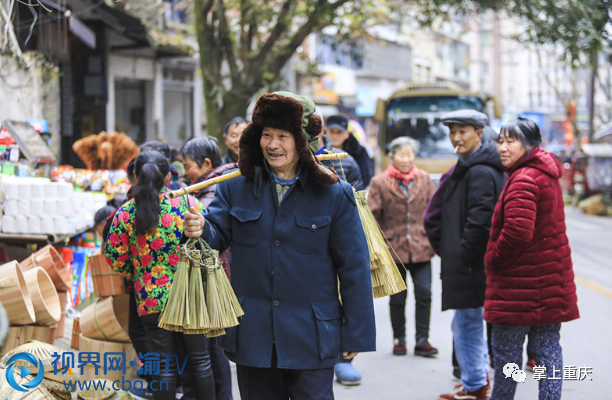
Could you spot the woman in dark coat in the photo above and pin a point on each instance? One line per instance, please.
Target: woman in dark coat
(530, 279)
(297, 242)
(398, 199)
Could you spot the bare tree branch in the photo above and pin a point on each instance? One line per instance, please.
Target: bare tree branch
(226, 41)
(277, 31)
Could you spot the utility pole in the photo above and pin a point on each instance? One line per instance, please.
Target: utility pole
(593, 77)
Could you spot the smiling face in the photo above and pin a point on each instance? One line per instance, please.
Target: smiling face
(232, 138)
(403, 159)
(278, 147)
(510, 149)
(193, 170)
(465, 138)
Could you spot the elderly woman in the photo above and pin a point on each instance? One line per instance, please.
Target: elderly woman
(398, 199)
(530, 280)
(297, 241)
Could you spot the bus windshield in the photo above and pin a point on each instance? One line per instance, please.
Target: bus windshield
(419, 118)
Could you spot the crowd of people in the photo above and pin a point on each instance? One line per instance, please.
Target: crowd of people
(293, 246)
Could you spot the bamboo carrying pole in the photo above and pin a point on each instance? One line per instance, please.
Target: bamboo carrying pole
(235, 174)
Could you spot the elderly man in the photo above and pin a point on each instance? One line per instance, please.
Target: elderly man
(231, 136)
(297, 241)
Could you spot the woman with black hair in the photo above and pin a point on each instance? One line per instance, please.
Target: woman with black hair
(143, 242)
(530, 279)
(202, 162)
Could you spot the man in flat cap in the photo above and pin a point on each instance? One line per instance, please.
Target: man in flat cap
(469, 201)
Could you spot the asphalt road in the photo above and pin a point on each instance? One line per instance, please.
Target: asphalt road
(586, 342)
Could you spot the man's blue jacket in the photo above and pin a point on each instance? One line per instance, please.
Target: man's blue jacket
(288, 263)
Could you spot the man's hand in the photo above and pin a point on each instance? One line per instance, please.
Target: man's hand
(194, 223)
(349, 355)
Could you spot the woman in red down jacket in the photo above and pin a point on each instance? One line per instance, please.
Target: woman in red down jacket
(530, 280)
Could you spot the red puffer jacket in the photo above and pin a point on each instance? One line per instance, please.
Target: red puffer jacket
(530, 280)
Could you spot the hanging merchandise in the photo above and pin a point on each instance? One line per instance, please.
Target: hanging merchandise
(197, 308)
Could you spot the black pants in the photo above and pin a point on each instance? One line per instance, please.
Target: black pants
(421, 279)
(198, 366)
(221, 370)
(136, 329)
(283, 384)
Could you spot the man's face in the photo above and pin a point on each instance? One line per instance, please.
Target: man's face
(232, 139)
(465, 138)
(337, 136)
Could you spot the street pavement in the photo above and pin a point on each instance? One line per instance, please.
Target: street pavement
(586, 342)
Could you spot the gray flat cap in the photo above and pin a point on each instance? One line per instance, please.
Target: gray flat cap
(468, 117)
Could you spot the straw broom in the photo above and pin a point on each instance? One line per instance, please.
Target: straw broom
(386, 279)
(198, 312)
(176, 312)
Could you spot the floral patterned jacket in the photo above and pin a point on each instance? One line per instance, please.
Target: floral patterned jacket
(150, 259)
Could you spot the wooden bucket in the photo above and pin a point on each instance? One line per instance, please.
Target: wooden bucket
(76, 332)
(51, 336)
(15, 296)
(49, 259)
(106, 281)
(44, 296)
(19, 335)
(99, 346)
(107, 319)
(63, 298)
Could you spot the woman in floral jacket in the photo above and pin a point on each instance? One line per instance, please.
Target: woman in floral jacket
(143, 243)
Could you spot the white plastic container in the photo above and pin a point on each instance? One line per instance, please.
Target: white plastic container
(8, 224)
(51, 190)
(21, 224)
(34, 225)
(11, 207)
(25, 188)
(47, 225)
(50, 207)
(37, 207)
(24, 207)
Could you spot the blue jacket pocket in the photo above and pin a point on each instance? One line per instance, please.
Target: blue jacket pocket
(245, 229)
(312, 233)
(328, 318)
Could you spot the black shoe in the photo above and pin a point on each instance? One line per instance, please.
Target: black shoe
(142, 395)
(425, 350)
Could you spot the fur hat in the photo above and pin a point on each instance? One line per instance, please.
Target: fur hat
(294, 114)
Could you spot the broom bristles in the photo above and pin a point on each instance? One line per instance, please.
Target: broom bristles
(386, 279)
(213, 300)
(176, 312)
(198, 311)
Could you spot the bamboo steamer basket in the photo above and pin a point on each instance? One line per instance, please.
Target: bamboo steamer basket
(99, 346)
(61, 324)
(107, 319)
(105, 280)
(19, 335)
(15, 296)
(49, 259)
(76, 332)
(46, 302)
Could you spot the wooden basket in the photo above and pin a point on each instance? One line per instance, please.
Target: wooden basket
(76, 332)
(15, 296)
(63, 298)
(101, 347)
(9, 393)
(49, 259)
(107, 319)
(44, 296)
(19, 335)
(106, 281)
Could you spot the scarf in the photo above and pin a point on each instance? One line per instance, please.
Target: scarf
(398, 176)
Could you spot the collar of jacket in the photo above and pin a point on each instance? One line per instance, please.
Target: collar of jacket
(259, 177)
(524, 160)
(487, 154)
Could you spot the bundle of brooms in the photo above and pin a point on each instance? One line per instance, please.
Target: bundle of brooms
(200, 304)
(386, 279)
